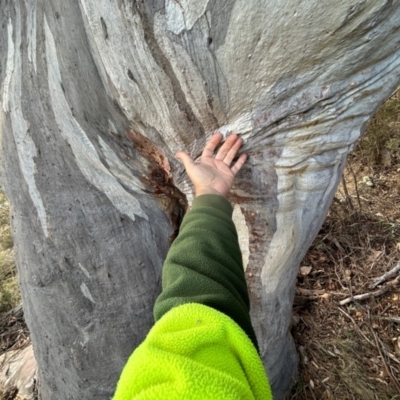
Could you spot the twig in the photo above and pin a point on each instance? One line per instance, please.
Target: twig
(368, 295)
(360, 197)
(318, 292)
(394, 93)
(390, 319)
(346, 192)
(356, 326)
(355, 185)
(16, 312)
(360, 332)
(385, 277)
(312, 393)
(390, 355)
(392, 378)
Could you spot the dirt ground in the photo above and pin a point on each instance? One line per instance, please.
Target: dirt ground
(346, 351)
(352, 351)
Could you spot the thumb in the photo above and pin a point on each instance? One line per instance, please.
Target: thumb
(185, 158)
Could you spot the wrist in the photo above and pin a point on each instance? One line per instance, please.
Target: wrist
(199, 191)
(218, 202)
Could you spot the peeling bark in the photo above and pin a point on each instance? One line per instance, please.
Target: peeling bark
(159, 178)
(97, 96)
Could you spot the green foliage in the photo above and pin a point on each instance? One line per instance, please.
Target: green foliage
(6, 299)
(383, 134)
(9, 292)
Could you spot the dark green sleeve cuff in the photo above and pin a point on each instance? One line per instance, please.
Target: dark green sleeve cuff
(213, 201)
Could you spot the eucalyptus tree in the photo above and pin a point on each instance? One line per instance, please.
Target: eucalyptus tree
(98, 95)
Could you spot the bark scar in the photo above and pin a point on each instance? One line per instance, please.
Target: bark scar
(158, 177)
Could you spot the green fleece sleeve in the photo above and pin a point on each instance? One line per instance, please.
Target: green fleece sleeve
(204, 264)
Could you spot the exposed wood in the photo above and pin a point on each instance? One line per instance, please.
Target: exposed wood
(385, 276)
(390, 319)
(376, 293)
(18, 373)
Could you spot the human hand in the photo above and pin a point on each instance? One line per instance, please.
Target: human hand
(214, 175)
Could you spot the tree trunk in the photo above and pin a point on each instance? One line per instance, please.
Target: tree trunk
(96, 97)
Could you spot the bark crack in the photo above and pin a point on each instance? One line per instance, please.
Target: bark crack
(217, 67)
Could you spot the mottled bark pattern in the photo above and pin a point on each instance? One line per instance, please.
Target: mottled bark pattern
(97, 95)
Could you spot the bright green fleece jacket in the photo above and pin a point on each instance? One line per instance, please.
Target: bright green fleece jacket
(202, 345)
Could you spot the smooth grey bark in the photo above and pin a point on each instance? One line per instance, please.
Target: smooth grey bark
(97, 95)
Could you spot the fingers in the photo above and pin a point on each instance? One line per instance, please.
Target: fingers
(239, 164)
(233, 151)
(185, 158)
(227, 147)
(230, 147)
(212, 145)
(226, 153)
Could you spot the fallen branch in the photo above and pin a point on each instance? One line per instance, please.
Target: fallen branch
(368, 295)
(390, 319)
(317, 292)
(362, 198)
(385, 277)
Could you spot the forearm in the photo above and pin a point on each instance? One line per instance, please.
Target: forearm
(203, 345)
(204, 264)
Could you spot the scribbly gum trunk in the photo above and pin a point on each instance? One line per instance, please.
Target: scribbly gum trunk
(97, 96)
